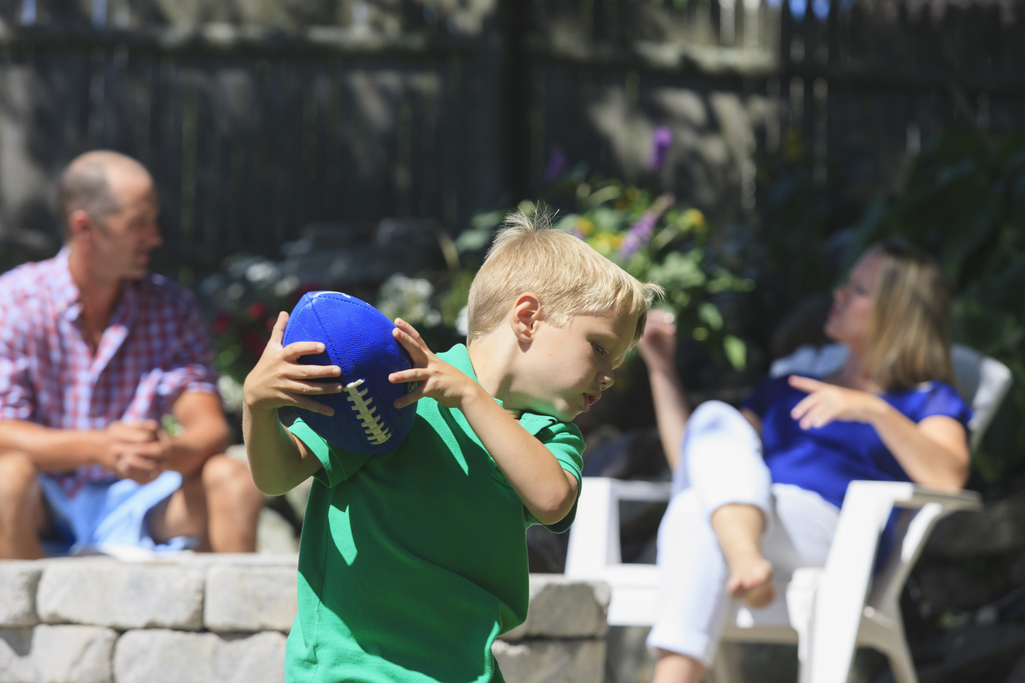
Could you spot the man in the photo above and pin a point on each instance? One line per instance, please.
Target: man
(95, 354)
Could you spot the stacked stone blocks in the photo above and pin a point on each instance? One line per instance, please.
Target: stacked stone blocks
(221, 619)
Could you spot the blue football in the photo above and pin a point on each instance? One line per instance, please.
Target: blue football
(358, 339)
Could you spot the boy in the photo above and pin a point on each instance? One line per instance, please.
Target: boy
(412, 562)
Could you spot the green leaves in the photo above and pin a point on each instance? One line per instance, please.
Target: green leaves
(653, 240)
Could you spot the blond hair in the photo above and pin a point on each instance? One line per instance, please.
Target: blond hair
(568, 276)
(909, 331)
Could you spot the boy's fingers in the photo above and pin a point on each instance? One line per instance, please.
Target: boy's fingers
(295, 350)
(411, 375)
(417, 351)
(410, 398)
(300, 388)
(313, 405)
(304, 372)
(412, 332)
(277, 334)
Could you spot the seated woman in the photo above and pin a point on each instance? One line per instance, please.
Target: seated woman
(757, 492)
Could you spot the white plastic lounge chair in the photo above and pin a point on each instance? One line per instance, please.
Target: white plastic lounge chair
(826, 611)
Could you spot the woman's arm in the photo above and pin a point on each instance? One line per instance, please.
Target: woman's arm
(933, 452)
(658, 349)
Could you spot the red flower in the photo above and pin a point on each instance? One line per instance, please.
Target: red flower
(254, 342)
(256, 310)
(221, 323)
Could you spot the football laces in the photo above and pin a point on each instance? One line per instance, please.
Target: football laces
(366, 413)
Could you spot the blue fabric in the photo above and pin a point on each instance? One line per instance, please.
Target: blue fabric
(825, 460)
(111, 514)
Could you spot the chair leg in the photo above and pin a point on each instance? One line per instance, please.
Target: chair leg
(726, 667)
(901, 664)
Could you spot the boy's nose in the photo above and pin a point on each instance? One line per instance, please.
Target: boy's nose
(606, 380)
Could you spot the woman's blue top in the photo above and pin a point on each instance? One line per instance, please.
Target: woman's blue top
(825, 460)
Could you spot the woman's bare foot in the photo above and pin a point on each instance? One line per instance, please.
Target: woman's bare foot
(739, 527)
(751, 581)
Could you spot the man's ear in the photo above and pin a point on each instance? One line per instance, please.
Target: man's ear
(525, 316)
(79, 223)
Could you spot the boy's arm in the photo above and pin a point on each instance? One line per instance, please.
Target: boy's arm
(547, 490)
(278, 459)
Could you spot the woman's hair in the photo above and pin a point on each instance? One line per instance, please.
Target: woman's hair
(568, 276)
(909, 330)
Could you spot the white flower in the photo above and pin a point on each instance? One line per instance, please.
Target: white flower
(462, 326)
(261, 272)
(286, 285)
(231, 393)
(409, 299)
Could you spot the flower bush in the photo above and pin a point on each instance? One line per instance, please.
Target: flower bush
(242, 302)
(653, 239)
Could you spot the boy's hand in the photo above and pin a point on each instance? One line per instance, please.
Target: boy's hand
(280, 380)
(434, 377)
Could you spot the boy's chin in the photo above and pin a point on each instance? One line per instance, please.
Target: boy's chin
(563, 414)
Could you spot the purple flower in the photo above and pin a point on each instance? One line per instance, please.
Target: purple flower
(638, 235)
(662, 140)
(640, 232)
(556, 164)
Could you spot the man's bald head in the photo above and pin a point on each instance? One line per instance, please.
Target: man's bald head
(85, 184)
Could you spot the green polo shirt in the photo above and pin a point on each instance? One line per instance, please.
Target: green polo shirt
(412, 562)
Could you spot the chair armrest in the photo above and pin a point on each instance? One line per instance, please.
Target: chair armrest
(594, 536)
(908, 495)
(844, 584)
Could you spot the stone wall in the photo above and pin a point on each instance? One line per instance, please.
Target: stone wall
(224, 618)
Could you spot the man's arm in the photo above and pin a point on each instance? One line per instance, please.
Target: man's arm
(135, 450)
(204, 431)
(547, 490)
(56, 450)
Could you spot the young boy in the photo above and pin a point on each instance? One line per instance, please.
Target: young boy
(412, 562)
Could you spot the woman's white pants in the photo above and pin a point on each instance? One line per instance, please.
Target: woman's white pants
(721, 462)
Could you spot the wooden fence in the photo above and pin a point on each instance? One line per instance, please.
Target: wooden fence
(432, 109)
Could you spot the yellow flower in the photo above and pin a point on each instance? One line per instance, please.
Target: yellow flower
(585, 226)
(606, 243)
(628, 197)
(696, 218)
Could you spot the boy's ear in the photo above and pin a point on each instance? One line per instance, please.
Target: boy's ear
(525, 316)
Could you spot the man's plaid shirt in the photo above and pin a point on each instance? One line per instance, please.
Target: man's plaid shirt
(155, 346)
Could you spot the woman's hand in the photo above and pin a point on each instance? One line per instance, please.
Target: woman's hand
(827, 403)
(658, 344)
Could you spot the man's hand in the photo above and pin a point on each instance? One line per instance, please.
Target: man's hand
(143, 461)
(434, 377)
(133, 450)
(827, 403)
(279, 379)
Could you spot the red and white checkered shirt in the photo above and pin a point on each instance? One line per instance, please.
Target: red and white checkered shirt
(155, 347)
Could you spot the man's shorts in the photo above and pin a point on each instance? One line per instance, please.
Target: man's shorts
(106, 514)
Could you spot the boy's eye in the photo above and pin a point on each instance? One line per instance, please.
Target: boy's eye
(599, 349)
